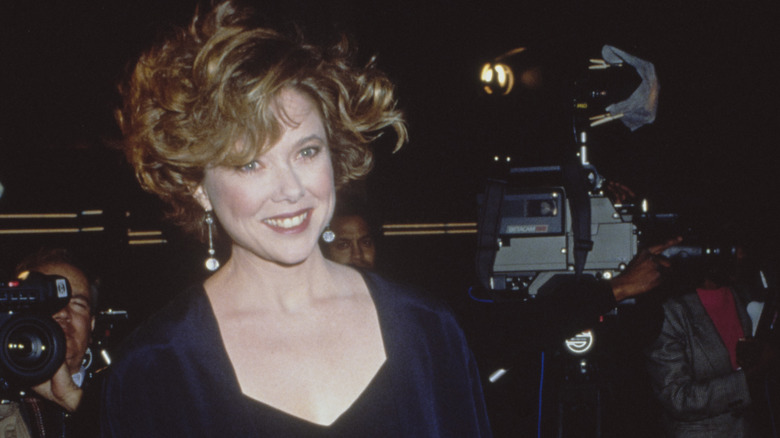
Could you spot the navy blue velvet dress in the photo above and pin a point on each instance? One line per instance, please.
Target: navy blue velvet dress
(174, 379)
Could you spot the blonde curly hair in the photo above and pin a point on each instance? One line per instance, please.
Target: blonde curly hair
(191, 97)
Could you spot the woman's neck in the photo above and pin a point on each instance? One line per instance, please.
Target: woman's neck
(250, 282)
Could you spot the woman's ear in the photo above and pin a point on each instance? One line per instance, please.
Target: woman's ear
(202, 197)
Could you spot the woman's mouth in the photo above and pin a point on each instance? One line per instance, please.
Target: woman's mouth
(289, 223)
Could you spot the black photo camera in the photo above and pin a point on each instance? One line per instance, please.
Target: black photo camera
(32, 344)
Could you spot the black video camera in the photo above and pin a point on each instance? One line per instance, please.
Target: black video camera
(32, 344)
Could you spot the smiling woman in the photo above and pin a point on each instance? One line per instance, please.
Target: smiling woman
(257, 129)
(276, 206)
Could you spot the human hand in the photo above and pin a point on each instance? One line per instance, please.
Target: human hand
(643, 272)
(61, 389)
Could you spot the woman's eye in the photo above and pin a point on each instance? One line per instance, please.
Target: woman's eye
(310, 152)
(249, 167)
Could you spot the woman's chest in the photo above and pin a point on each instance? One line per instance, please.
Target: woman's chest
(313, 367)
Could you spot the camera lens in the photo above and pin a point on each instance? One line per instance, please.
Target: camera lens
(28, 347)
(32, 349)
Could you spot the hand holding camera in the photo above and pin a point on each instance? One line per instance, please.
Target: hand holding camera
(644, 272)
(32, 344)
(61, 389)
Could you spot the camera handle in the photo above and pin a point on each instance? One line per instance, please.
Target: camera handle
(487, 235)
(574, 180)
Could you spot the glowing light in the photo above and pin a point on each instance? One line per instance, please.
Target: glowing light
(52, 230)
(39, 216)
(581, 343)
(429, 229)
(431, 225)
(497, 374)
(132, 233)
(147, 242)
(40, 231)
(497, 78)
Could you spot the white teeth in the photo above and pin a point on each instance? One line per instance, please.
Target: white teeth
(289, 222)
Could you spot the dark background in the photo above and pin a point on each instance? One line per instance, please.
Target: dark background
(709, 156)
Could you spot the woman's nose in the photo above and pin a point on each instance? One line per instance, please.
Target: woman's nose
(289, 186)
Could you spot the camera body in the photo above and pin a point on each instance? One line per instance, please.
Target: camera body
(32, 344)
(535, 232)
(536, 245)
(537, 227)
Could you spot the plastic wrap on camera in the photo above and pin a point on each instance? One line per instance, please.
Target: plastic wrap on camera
(640, 108)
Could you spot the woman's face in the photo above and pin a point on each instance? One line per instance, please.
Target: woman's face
(276, 206)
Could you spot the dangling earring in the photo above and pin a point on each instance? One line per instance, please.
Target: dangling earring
(328, 235)
(212, 264)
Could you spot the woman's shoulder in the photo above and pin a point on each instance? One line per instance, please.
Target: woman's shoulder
(174, 325)
(412, 320)
(404, 300)
(400, 292)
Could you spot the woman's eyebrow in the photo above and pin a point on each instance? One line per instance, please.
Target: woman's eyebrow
(309, 138)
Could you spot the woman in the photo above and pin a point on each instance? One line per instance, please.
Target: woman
(254, 130)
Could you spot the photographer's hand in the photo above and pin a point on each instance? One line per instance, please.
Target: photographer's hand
(643, 272)
(61, 390)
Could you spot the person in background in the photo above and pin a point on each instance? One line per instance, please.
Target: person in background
(355, 242)
(698, 372)
(65, 405)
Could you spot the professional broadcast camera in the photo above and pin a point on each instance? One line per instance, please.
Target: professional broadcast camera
(32, 344)
(540, 224)
(544, 231)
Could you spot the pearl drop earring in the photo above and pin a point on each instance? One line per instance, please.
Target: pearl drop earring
(212, 264)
